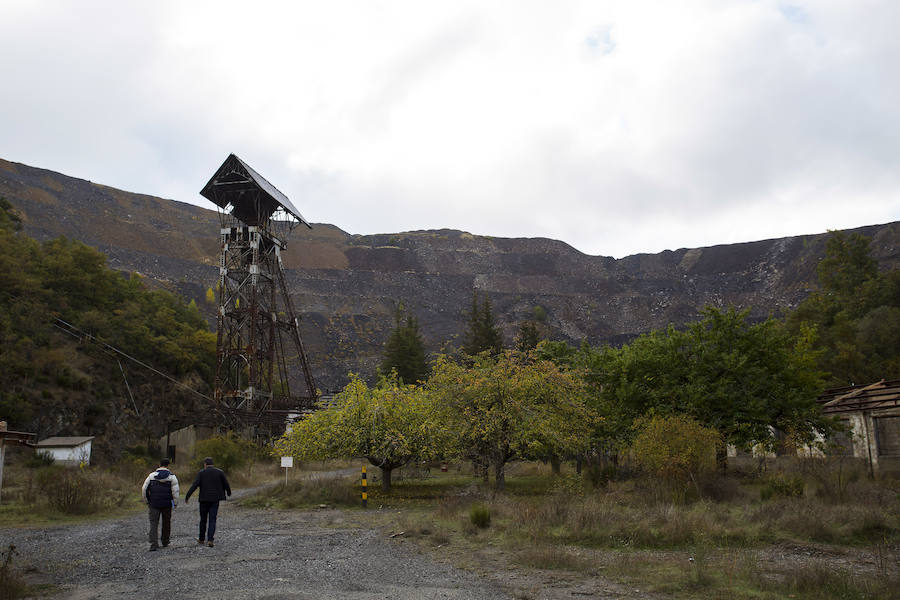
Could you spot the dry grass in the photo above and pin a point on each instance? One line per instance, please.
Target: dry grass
(737, 547)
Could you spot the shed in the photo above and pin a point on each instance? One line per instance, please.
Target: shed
(872, 414)
(67, 450)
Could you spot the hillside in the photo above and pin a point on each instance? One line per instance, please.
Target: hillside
(346, 286)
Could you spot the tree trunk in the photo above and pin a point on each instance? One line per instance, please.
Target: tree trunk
(386, 478)
(579, 463)
(722, 457)
(555, 465)
(499, 476)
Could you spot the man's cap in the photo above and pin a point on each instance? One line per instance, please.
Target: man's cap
(208, 460)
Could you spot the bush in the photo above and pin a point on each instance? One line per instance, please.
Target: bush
(782, 485)
(69, 490)
(480, 516)
(229, 451)
(676, 450)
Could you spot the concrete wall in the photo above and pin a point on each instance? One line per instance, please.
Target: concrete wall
(70, 456)
(185, 441)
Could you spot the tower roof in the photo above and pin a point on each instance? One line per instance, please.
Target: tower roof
(237, 188)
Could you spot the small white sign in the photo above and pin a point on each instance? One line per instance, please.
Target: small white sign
(287, 461)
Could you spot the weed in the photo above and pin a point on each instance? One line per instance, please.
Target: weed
(480, 516)
(11, 584)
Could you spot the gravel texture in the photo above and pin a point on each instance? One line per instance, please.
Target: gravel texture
(258, 554)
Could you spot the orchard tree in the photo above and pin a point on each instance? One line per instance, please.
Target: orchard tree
(388, 425)
(404, 351)
(511, 407)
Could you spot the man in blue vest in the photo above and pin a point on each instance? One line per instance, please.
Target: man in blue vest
(160, 493)
(213, 487)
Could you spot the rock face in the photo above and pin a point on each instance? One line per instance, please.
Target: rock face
(346, 286)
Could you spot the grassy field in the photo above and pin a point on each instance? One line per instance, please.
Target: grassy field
(798, 542)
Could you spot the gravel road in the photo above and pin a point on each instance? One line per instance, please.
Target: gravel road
(258, 554)
(274, 554)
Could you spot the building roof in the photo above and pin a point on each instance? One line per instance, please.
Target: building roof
(63, 442)
(881, 394)
(17, 437)
(237, 188)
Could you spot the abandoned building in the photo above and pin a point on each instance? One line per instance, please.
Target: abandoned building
(872, 416)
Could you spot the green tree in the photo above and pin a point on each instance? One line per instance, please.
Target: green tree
(482, 334)
(53, 383)
(847, 265)
(388, 425)
(528, 337)
(856, 313)
(510, 407)
(738, 378)
(404, 351)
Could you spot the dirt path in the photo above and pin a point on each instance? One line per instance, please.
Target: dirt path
(270, 554)
(259, 554)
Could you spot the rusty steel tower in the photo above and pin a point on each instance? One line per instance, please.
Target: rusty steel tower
(258, 343)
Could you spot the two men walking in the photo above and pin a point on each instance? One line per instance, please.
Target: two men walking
(160, 492)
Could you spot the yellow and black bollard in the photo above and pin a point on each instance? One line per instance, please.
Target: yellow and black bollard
(364, 484)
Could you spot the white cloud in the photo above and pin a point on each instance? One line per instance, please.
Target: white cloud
(618, 127)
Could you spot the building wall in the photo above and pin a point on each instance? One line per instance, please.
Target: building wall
(70, 456)
(866, 428)
(184, 441)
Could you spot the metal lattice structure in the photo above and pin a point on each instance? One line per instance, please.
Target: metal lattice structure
(258, 331)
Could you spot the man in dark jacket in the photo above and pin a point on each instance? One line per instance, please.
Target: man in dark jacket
(160, 493)
(213, 487)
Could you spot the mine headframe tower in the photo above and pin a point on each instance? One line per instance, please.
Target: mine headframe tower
(258, 340)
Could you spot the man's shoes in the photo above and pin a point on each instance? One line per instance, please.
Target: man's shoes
(210, 543)
(201, 542)
(154, 548)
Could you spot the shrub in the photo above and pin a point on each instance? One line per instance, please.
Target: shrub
(480, 516)
(70, 491)
(782, 485)
(676, 450)
(229, 451)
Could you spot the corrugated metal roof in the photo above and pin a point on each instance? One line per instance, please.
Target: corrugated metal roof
(64, 441)
(233, 179)
(881, 394)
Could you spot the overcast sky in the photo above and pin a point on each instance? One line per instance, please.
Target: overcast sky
(617, 127)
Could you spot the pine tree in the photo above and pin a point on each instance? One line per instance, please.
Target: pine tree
(404, 350)
(528, 337)
(482, 333)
